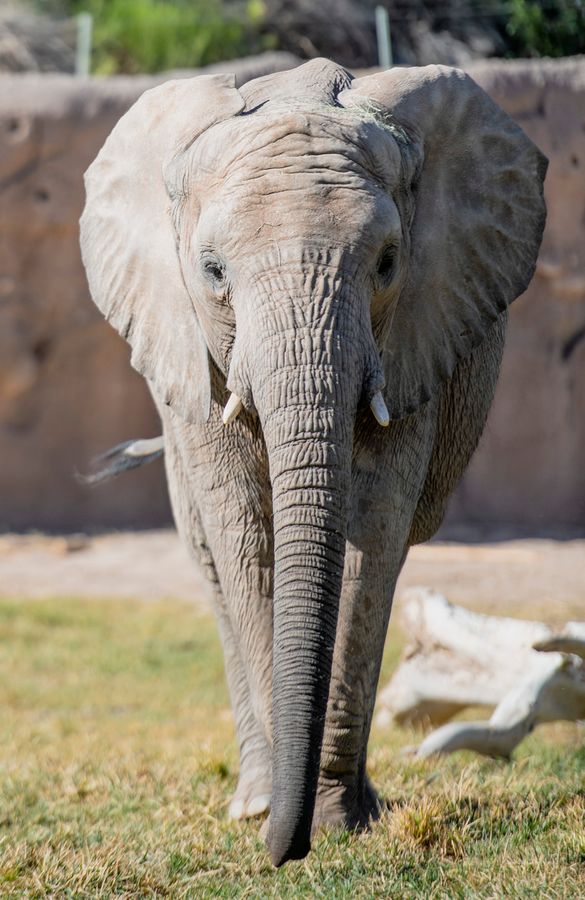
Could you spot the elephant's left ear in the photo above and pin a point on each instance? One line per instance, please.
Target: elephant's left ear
(128, 242)
(477, 226)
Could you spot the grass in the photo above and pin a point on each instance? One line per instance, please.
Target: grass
(117, 758)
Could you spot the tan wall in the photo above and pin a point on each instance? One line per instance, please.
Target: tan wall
(66, 387)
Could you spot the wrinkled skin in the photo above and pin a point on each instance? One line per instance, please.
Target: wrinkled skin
(302, 233)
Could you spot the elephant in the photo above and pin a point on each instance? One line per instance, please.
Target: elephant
(313, 272)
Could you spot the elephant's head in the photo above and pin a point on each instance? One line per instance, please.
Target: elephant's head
(325, 243)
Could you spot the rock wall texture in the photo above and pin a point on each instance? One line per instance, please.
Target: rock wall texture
(67, 391)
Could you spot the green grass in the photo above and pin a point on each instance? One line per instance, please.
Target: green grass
(117, 758)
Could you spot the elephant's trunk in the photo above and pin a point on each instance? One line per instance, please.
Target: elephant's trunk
(307, 402)
(310, 482)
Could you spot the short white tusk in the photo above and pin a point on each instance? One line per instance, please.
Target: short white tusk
(379, 409)
(232, 409)
(145, 447)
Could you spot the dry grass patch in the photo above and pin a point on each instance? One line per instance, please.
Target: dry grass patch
(117, 758)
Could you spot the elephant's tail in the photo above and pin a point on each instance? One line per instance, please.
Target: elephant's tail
(122, 458)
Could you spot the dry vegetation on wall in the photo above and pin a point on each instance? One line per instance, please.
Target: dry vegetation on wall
(133, 36)
(118, 756)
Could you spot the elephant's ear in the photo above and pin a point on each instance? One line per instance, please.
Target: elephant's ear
(478, 221)
(128, 243)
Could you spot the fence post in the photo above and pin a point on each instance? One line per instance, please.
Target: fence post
(83, 47)
(383, 37)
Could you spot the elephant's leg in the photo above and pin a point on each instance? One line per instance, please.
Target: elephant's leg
(385, 490)
(238, 529)
(252, 795)
(246, 627)
(345, 795)
(241, 605)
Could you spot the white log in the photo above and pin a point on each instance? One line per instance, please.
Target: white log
(457, 658)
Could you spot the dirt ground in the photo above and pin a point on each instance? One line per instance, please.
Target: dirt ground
(533, 578)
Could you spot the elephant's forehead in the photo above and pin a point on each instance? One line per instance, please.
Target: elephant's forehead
(296, 172)
(284, 143)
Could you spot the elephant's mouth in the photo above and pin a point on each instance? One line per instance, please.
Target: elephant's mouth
(235, 405)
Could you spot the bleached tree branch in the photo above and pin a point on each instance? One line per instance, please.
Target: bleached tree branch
(457, 658)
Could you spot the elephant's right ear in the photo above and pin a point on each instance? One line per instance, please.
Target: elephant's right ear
(128, 243)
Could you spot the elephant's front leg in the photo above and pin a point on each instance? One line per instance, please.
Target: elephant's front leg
(385, 492)
(208, 475)
(252, 794)
(345, 795)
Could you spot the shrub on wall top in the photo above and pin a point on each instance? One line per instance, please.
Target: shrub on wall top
(132, 36)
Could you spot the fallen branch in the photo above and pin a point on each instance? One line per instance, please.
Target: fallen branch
(457, 659)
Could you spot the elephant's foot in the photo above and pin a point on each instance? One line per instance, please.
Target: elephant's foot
(352, 806)
(252, 796)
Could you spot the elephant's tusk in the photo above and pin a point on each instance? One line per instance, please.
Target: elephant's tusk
(232, 409)
(379, 409)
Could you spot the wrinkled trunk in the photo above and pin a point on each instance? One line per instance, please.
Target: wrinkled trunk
(309, 477)
(307, 399)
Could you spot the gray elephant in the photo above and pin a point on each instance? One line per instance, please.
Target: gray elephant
(313, 273)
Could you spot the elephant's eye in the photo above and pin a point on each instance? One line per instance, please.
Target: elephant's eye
(214, 272)
(386, 263)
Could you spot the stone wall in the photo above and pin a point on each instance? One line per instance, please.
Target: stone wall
(67, 391)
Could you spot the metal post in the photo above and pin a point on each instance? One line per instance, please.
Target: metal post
(383, 37)
(83, 48)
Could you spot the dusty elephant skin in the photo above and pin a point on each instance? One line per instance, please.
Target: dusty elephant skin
(296, 252)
